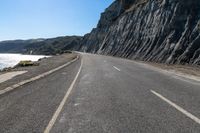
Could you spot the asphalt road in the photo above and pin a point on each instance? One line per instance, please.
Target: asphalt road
(109, 95)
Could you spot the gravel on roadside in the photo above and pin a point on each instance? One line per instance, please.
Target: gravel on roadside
(45, 64)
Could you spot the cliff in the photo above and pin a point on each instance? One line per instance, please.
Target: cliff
(166, 31)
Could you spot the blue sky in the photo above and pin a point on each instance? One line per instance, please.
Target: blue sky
(24, 19)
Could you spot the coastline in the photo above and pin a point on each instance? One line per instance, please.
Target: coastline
(10, 60)
(45, 65)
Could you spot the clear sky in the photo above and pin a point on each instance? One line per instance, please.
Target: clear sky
(25, 19)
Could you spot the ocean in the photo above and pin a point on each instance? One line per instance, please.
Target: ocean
(10, 60)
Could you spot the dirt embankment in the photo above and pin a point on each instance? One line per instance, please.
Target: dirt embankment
(186, 71)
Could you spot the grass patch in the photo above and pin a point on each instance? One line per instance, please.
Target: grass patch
(27, 63)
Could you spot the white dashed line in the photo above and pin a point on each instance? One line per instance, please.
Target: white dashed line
(191, 116)
(116, 68)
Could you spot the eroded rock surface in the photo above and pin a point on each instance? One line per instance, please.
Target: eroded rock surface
(166, 31)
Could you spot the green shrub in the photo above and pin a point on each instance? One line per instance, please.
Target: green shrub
(26, 63)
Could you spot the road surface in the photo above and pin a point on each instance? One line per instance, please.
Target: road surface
(99, 94)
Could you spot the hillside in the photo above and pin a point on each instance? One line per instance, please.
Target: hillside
(41, 46)
(15, 46)
(166, 31)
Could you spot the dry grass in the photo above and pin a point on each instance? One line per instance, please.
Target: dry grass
(26, 63)
(140, 3)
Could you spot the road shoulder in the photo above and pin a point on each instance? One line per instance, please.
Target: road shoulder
(183, 72)
(46, 64)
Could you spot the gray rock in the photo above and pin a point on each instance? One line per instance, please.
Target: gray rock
(166, 31)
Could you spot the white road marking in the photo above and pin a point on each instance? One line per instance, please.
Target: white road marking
(76, 104)
(116, 68)
(191, 116)
(60, 107)
(10, 88)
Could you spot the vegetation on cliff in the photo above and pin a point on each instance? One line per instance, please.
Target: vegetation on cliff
(41, 46)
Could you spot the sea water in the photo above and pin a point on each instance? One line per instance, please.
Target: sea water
(10, 60)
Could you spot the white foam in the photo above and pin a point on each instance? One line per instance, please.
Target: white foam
(10, 60)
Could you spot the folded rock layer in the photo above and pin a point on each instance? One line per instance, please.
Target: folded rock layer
(165, 31)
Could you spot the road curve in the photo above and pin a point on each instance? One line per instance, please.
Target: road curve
(109, 95)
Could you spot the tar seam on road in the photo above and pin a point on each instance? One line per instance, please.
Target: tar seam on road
(191, 116)
(60, 107)
(116, 68)
(35, 78)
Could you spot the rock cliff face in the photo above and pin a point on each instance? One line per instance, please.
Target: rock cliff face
(166, 31)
